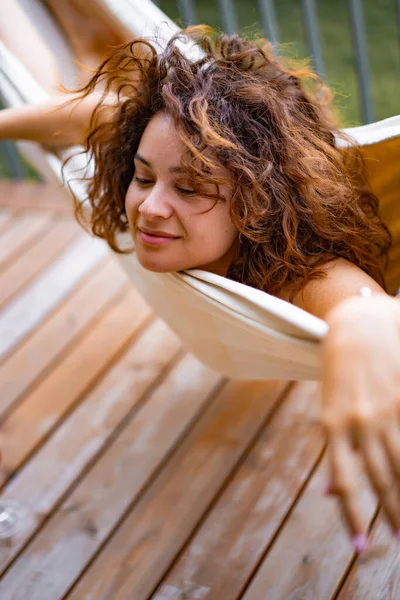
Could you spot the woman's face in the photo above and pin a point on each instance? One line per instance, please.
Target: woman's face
(170, 229)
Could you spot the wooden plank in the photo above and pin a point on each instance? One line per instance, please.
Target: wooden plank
(376, 573)
(40, 255)
(22, 315)
(313, 550)
(6, 217)
(222, 556)
(70, 538)
(46, 345)
(41, 484)
(153, 533)
(20, 234)
(33, 419)
(33, 195)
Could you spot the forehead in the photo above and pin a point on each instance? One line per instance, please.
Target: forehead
(160, 144)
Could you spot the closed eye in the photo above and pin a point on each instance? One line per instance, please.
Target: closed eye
(185, 191)
(142, 181)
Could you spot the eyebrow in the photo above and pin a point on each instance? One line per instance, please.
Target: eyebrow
(140, 158)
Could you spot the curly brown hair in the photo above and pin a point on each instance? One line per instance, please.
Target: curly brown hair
(298, 201)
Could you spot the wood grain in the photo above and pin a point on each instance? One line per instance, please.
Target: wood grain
(20, 234)
(28, 195)
(376, 573)
(31, 307)
(5, 219)
(47, 344)
(313, 550)
(142, 473)
(80, 439)
(223, 554)
(157, 528)
(32, 420)
(68, 541)
(41, 254)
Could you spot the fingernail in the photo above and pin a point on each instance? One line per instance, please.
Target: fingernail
(327, 489)
(397, 535)
(359, 542)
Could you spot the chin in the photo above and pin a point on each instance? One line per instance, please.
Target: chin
(160, 266)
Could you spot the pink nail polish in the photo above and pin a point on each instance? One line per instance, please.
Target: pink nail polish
(359, 542)
(327, 489)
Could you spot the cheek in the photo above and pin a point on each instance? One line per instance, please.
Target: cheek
(223, 223)
(131, 204)
(230, 234)
(217, 230)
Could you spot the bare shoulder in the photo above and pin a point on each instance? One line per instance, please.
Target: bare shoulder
(343, 280)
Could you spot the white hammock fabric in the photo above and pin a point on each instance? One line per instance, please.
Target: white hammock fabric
(238, 331)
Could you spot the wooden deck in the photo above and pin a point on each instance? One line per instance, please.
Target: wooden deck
(144, 474)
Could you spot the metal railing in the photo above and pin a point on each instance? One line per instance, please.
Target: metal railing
(10, 162)
(188, 9)
(268, 20)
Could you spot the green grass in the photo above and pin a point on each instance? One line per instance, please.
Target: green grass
(382, 38)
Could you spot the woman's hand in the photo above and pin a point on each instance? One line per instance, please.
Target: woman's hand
(361, 405)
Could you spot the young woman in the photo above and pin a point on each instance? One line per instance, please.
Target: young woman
(228, 163)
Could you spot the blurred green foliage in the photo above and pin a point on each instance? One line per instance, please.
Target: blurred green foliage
(382, 37)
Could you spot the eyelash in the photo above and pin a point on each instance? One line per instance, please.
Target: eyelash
(142, 181)
(185, 192)
(145, 182)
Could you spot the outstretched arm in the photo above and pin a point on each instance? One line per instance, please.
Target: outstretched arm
(360, 390)
(60, 122)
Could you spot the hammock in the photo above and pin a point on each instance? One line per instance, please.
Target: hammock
(237, 330)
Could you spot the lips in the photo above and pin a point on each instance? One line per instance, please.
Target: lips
(152, 237)
(156, 233)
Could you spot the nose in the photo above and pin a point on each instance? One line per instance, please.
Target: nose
(155, 204)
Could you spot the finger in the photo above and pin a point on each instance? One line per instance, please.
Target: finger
(355, 446)
(344, 484)
(391, 442)
(381, 476)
